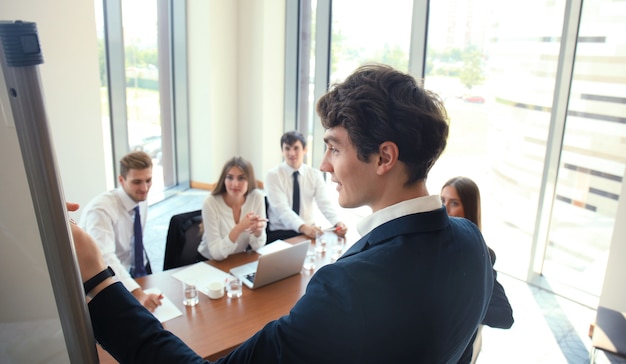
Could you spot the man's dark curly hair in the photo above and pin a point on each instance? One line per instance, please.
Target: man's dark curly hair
(377, 104)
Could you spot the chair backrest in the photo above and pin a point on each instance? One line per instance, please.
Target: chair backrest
(183, 238)
(267, 215)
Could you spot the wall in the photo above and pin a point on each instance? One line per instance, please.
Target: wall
(261, 110)
(212, 37)
(29, 325)
(70, 84)
(236, 60)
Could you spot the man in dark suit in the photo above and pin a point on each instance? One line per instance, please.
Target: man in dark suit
(413, 289)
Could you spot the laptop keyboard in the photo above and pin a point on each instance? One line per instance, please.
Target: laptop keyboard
(250, 276)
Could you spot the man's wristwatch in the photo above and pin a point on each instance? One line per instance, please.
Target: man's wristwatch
(97, 279)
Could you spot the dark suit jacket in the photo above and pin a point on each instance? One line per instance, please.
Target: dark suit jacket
(412, 290)
(500, 314)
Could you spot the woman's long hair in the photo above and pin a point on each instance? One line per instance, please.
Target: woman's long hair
(470, 197)
(246, 168)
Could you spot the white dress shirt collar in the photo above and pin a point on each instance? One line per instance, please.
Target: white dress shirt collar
(128, 203)
(290, 170)
(413, 206)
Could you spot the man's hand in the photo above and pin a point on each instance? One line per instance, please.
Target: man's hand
(71, 206)
(341, 229)
(150, 301)
(309, 230)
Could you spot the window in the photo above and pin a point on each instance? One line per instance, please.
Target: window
(141, 97)
(592, 163)
(141, 71)
(546, 149)
(498, 80)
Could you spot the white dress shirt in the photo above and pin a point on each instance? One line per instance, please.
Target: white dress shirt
(218, 222)
(109, 219)
(279, 189)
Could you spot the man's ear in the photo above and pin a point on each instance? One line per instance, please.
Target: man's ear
(120, 179)
(387, 156)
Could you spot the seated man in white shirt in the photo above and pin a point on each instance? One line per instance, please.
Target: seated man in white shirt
(110, 220)
(285, 219)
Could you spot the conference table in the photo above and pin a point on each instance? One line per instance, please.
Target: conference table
(213, 328)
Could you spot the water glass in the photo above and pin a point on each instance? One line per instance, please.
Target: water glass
(321, 239)
(233, 287)
(337, 248)
(190, 294)
(309, 260)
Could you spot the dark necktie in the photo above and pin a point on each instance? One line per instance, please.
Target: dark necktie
(140, 268)
(296, 193)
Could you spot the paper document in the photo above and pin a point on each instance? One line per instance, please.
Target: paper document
(167, 310)
(201, 274)
(273, 247)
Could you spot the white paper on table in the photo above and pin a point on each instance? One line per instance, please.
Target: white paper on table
(273, 247)
(200, 275)
(167, 310)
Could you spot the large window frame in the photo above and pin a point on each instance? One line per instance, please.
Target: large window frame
(417, 61)
(298, 61)
(172, 55)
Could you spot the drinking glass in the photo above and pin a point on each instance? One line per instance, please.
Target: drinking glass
(190, 294)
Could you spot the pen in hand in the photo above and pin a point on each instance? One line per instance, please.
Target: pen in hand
(333, 228)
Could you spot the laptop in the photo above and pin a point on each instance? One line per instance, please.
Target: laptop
(273, 266)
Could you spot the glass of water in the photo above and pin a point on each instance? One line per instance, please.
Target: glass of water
(233, 287)
(321, 239)
(309, 260)
(190, 294)
(337, 248)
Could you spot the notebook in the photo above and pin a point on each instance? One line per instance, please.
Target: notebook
(273, 266)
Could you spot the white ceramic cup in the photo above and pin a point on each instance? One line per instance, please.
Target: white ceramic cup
(215, 290)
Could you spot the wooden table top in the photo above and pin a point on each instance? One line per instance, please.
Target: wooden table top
(213, 328)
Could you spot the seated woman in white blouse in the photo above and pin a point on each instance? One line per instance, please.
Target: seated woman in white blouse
(233, 215)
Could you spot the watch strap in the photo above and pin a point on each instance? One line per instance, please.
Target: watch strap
(97, 279)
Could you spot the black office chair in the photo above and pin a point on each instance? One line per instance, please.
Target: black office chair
(183, 238)
(267, 215)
